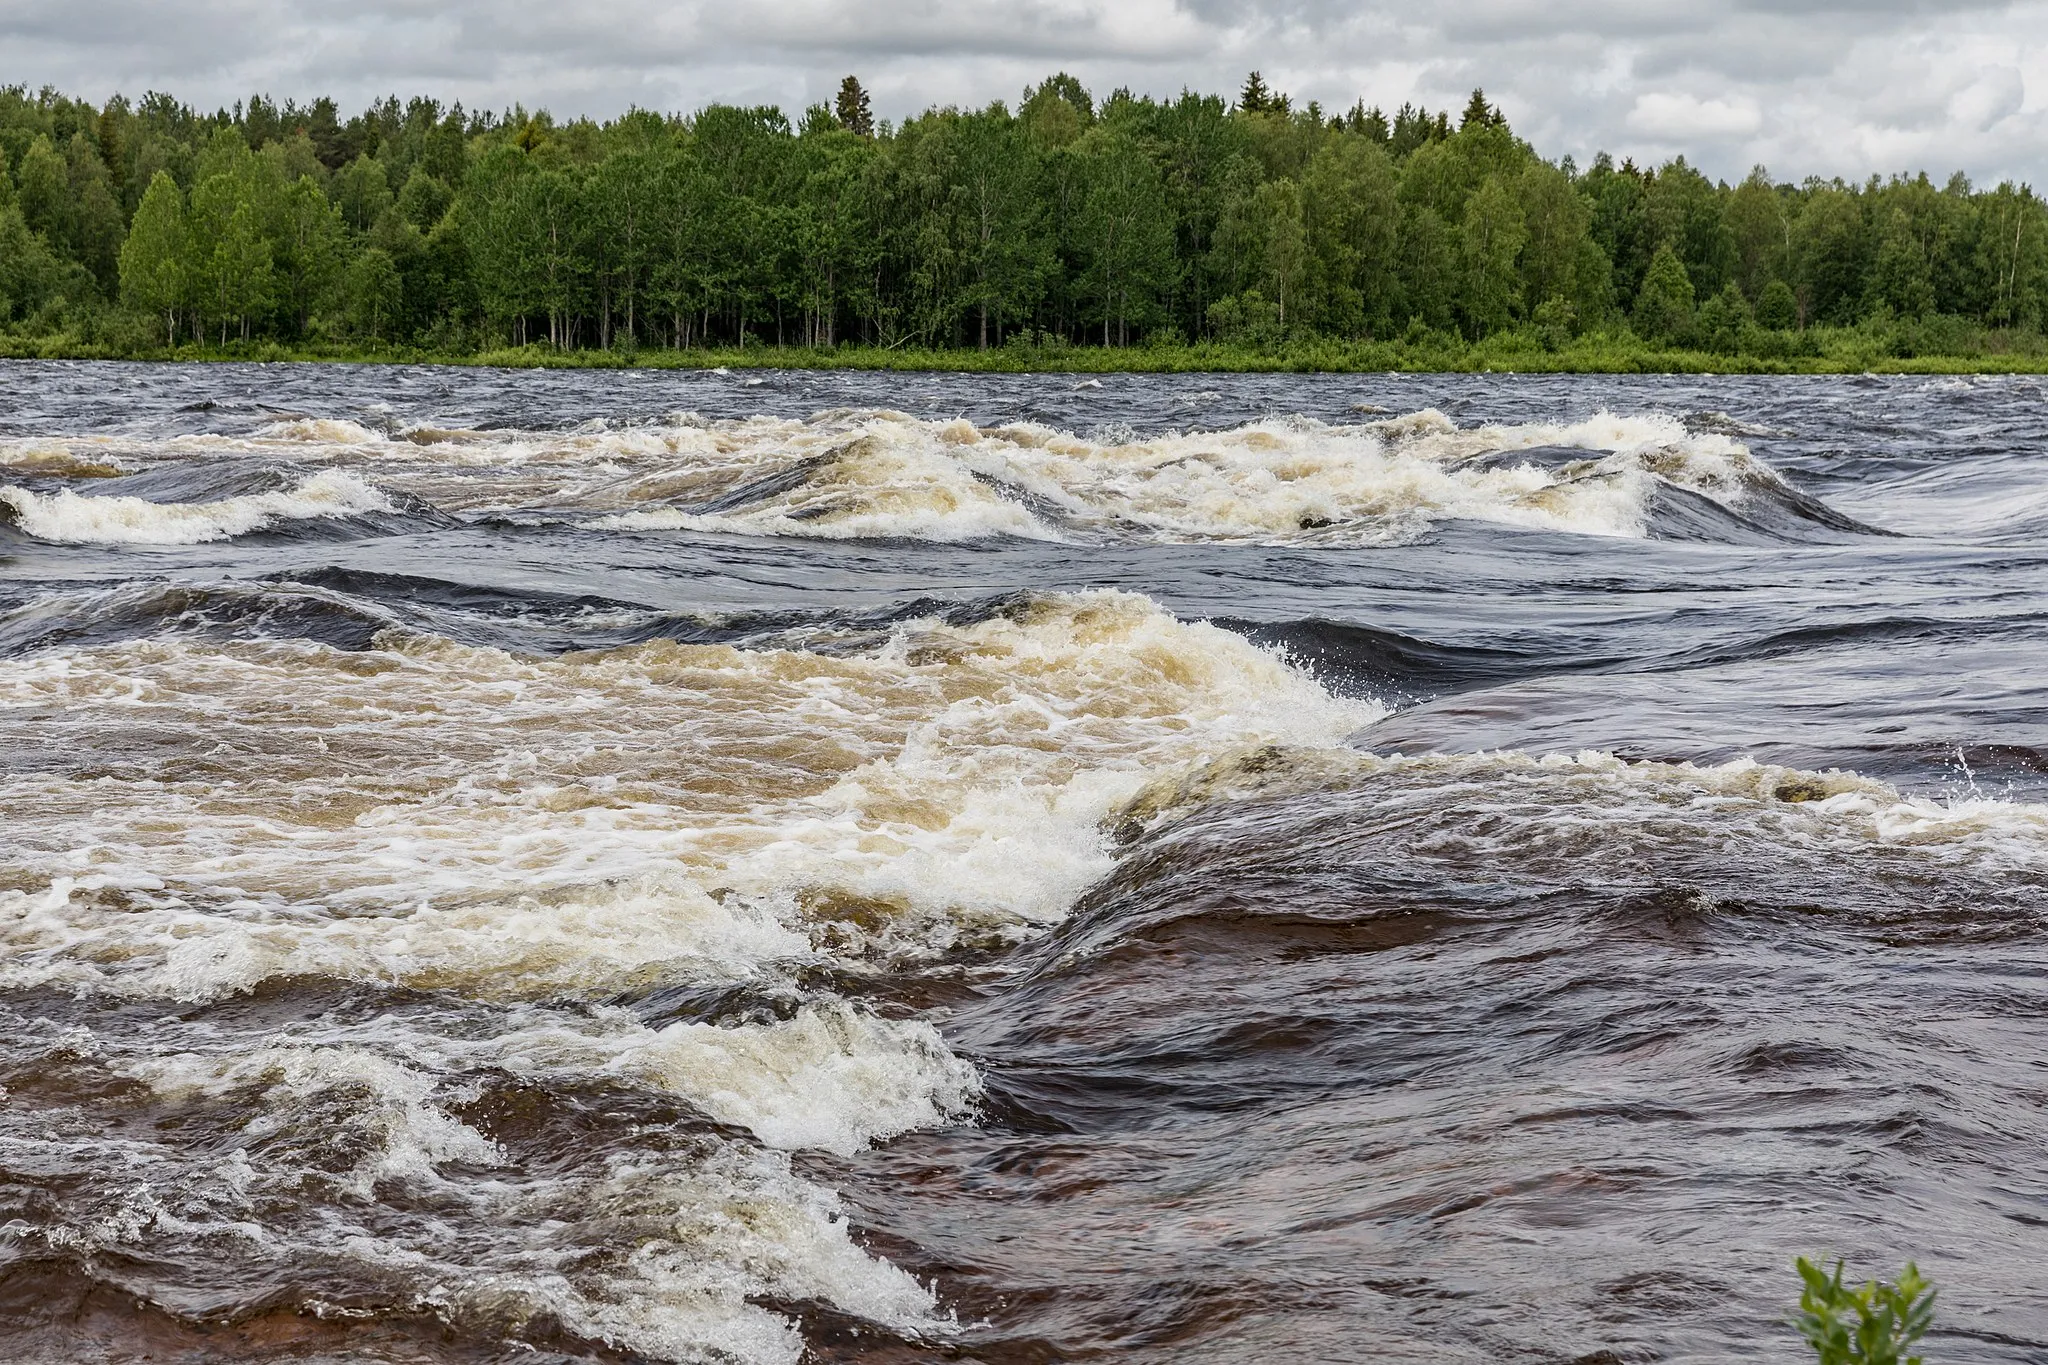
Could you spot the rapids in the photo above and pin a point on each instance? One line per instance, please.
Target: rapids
(748, 868)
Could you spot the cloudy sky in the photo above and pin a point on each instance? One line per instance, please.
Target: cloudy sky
(1827, 87)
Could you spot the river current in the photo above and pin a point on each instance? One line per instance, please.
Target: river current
(745, 868)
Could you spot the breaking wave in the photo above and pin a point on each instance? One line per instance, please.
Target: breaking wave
(1281, 481)
(874, 474)
(70, 518)
(555, 850)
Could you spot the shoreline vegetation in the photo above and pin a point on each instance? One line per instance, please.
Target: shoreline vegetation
(1852, 353)
(1071, 234)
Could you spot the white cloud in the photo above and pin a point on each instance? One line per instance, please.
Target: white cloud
(1676, 118)
(1994, 96)
(1829, 87)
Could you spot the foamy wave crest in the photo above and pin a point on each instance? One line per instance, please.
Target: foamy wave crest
(876, 486)
(57, 459)
(877, 474)
(1280, 481)
(600, 822)
(621, 875)
(830, 1078)
(715, 1226)
(328, 431)
(1565, 806)
(70, 518)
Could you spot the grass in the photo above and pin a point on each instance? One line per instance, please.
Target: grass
(1817, 351)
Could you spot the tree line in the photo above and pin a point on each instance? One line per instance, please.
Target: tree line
(1066, 220)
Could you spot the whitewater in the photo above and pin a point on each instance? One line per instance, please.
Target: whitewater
(672, 867)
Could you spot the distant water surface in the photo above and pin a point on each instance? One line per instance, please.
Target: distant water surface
(629, 866)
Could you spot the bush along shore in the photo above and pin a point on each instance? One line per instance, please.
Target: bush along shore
(1067, 233)
(1818, 351)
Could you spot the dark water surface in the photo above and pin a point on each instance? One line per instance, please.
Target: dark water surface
(689, 867)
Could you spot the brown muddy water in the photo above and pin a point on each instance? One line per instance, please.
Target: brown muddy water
(618, 867)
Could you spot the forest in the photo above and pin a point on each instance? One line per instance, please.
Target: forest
(1064, 226)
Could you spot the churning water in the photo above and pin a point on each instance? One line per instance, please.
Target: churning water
(700, 867)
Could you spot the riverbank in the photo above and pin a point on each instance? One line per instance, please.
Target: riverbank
(1814, 351)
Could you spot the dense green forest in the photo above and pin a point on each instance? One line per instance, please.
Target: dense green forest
(1066, 223)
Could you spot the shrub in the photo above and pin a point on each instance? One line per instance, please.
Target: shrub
(1869, 1326)
(1664, 304)
(1777, 307)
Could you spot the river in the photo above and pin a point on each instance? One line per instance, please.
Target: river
(680, 866)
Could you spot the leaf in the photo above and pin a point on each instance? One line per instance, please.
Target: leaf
(1888, 1317)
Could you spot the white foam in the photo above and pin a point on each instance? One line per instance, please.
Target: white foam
(330, 431)
(829, 1078)
(594, 823)
(69, 518)
(413, 1137)
(1278, 481)
(530, 839)
(852, 474)
(58, 459)
(483, 1243)
(1564, 806)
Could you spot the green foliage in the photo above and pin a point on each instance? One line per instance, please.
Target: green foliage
(228, 256)
(1494, 234)
(374, 295)
(423, 199)
(1351, 216)
(153, 262)
(43, 192)
(1255, 98)
(1829, 255)
(362, 191)
(1246, 319)
(1759, 231)
(309, 247)
(1070, 222)
(1899, 276)
(1873, 1325)
(1555, 322)
(854, 112)
(1125, 243)
(1663, 309)
(1777, 307)
(1721, 319)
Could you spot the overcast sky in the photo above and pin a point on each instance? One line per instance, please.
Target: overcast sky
(1808, 87)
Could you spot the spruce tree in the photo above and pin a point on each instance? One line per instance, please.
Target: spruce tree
(852, 108)
(1256, 99)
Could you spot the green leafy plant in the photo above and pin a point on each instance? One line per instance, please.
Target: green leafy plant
(1873, 1325)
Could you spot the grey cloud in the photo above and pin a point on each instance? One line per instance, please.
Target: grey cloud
(1830, 87)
